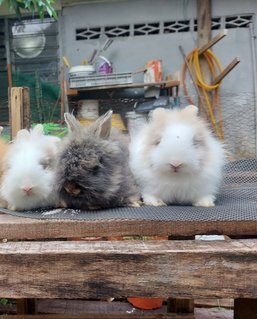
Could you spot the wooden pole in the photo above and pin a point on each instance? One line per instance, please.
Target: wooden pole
(227, 69)
(19, 109)
(213, 41)
(204, 34)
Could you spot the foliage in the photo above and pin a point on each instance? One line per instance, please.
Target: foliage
(54, 129)
(4, 301)
(35, 6)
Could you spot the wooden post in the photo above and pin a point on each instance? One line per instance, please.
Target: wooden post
(19, 109)
(26, 306)
(180, 305)
(204, 33)
(245, 308)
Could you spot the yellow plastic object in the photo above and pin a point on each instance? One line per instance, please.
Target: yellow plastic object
(117, 122)
(213, 105)
(66, 62)
(84, 61)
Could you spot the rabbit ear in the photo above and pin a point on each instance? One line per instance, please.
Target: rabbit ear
(159, 115)
(191, 109)
(38, 130)
(72, 123)
(102, 126)
(22, 134)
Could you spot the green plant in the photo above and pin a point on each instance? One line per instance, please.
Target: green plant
(34, 6)
(54, 129)
(4, 301)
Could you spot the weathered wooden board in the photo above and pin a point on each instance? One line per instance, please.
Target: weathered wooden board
(185, 269)
(12, 227)
(106, 316)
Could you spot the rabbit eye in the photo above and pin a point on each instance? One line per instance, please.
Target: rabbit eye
(45, 164)
(157, 142)
(95, 169)
(72, 189)
(197, 141)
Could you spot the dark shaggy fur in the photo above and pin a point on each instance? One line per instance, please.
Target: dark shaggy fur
(94, 172)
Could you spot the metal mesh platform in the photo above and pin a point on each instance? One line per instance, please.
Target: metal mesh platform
(237, 201)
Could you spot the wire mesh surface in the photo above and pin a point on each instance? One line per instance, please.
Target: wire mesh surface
(237, 201)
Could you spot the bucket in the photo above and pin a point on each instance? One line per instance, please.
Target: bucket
(135, 122)
(89, 110)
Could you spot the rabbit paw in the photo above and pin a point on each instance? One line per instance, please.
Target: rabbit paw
(207, 201)
(153, 201)
(11, 207)
(135, 204)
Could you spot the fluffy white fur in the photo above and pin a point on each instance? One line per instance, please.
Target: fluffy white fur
(177, 138)
(30, 163)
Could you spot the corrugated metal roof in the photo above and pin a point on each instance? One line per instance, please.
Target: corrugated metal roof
(69, 3)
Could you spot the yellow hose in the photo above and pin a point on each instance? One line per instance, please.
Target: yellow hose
(210, 105)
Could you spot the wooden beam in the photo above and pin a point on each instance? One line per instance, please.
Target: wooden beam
(13, 227)
(213, 41)
(129, 268)
(229, 68)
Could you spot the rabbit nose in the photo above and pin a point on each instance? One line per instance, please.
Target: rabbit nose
(175, 166)
(27, 190)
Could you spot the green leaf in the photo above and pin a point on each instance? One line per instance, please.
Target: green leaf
(4, 301)
(33, 6)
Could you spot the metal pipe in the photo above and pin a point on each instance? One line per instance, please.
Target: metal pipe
(253, 51)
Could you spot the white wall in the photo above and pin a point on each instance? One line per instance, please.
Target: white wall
(128, 53)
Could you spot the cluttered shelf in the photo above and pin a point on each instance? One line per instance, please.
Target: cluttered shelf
(161, 84)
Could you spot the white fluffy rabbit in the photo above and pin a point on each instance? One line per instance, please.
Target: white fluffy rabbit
(176, 159)
(29, 175)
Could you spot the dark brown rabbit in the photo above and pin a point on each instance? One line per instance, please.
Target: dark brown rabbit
(93, 168)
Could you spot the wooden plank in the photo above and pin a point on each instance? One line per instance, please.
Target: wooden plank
(213, 41)
(229, 68)
(73, 307)
(212, 303)
(214, 313)
(128, 268)
(105, 316)
(50, 306)
(245, 308)
(12, 227)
